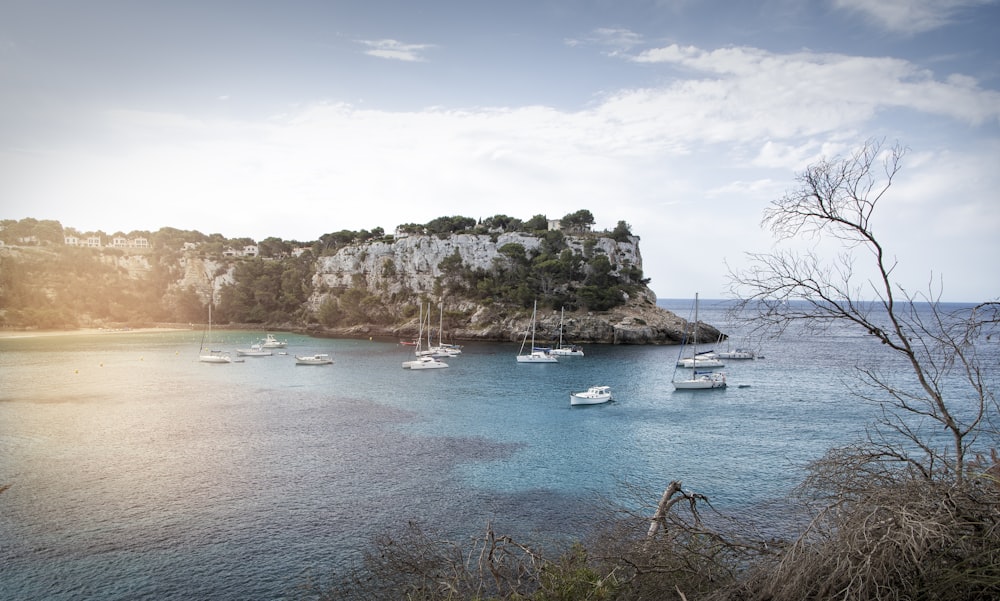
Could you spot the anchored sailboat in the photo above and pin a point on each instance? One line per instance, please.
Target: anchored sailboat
(699, 380)
(535, 355)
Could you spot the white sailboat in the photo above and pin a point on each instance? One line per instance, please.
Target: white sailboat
(534, 355)
(441, 349)
(423, 360)
(208, 355)
(699, 380)
(704, 360)
(572, 350)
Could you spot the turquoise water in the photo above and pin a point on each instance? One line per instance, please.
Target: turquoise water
(135, 471)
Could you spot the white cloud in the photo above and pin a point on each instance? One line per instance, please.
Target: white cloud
(806, 93)
(910, 16)
(396, 50)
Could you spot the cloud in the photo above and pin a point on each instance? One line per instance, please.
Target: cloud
(806, 93)
(617, 38)
(910, 16)
(395, 50)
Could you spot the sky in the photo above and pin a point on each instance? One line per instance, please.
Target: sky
(683, 118)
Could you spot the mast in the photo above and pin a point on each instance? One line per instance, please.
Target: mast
(695, 341)
(562, 312)
(533, 312)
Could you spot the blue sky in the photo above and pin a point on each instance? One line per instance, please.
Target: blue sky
(683, 118)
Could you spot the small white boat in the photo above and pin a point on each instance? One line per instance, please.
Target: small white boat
(537, 355)
(255, 350)
(595, 395)
(271, 342)
(319, 359)
(702, 380)
(737, 354)
(424, 362)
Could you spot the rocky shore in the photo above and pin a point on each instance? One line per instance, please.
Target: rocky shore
(637, 322)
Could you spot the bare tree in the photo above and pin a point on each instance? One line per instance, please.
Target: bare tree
(836, 200)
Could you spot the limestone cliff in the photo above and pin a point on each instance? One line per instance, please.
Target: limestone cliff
(409, 268)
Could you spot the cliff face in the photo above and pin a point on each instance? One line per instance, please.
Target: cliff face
(412, 264)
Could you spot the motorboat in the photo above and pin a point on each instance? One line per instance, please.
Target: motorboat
(702, 380)
(318, 359)
(271, 342)
(595, 395)
(255, 350)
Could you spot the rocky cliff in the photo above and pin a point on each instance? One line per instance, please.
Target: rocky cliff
(411, 267)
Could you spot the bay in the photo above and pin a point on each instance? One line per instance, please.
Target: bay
(134, 471)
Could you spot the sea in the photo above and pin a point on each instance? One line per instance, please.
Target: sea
(129, 470)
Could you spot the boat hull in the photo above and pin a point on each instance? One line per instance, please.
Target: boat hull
(424, 363)
(700, 363)
(565, 352)
(537, 358)
(215, 359)
(314, 360)
(253, 353)
(702, 382)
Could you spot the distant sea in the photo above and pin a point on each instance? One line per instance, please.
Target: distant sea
(134, 471)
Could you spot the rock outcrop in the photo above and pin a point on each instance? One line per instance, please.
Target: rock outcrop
(411, 266)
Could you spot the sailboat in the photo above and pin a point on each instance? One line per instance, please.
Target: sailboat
(535, 355)
(423, 360)
(699, 380)
(208, 355)
(441, 349)
(704, 359)
(572, 350)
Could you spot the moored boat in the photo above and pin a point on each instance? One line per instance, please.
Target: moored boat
(595, 395)
(255, 350)
(537, 355)
(271, 342)
(424, 362)
(318, 359)
(702, 380)
(699, 380)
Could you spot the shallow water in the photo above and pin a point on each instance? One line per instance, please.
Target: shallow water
(135, 471)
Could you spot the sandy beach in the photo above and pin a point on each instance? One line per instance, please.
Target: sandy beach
(6, 334)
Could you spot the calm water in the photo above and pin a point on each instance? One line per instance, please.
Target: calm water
(136, 472)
